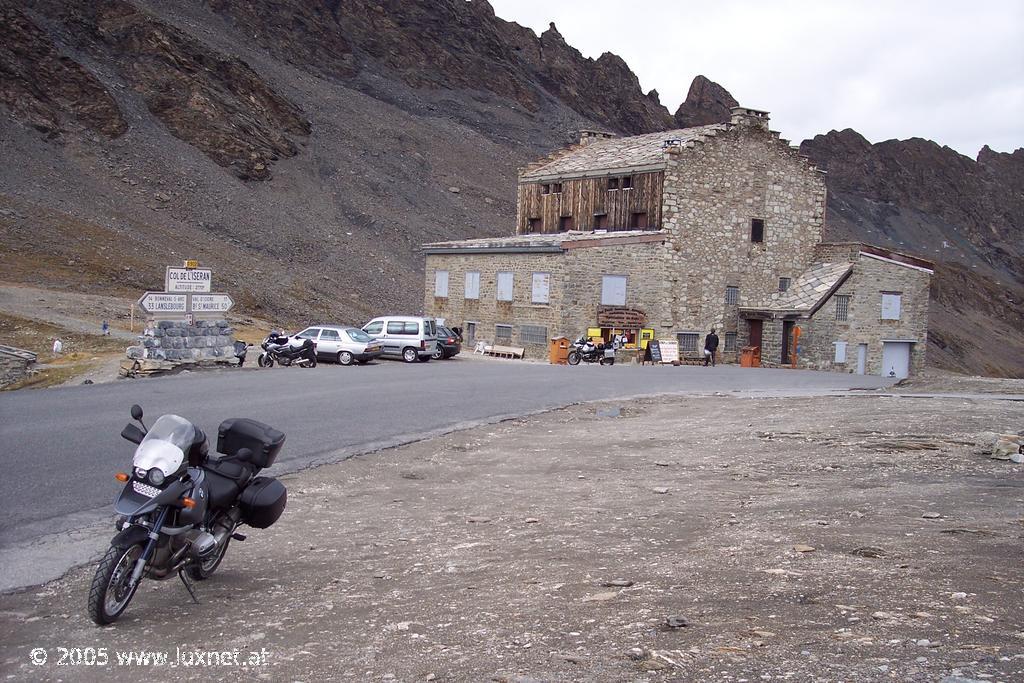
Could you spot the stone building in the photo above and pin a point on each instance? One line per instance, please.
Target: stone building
(670, 234)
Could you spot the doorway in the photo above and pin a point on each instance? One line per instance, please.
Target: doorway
(787, 338)
(469, 334)
(862, 358)
(754, 330)
(896, 359)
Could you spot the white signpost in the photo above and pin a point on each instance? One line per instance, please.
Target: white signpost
(186, 295)
(188, 279)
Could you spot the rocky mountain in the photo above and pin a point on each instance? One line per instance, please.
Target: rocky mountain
(304, 149)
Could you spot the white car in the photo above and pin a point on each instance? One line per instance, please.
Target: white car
(346, 345)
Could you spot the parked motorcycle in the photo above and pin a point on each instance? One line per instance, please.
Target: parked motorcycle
(180, 508)
(280, 349)
(586, 351)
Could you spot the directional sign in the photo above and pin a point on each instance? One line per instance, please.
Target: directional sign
(188, 279)
(163, 302)
(211, 303)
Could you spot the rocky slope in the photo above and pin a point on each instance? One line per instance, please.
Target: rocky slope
(304, 149)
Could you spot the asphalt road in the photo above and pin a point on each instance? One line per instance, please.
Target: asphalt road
(61, 447)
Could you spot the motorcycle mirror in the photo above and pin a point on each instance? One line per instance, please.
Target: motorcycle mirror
(136, 412)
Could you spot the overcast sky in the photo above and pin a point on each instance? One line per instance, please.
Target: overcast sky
(950, 71)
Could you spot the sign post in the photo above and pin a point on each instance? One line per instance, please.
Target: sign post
(187, 295)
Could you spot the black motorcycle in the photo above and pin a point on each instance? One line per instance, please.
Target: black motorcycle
(586, 351)
(287, 351)
(180, 508)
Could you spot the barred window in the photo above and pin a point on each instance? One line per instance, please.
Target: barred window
(783, 284)
(688, 341)
(842, 307)
(732, 295)
(502, 333)
(730, 342)
(533, 334)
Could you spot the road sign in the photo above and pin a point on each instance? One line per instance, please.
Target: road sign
(188, 279)
(211, 303)
(163, 302)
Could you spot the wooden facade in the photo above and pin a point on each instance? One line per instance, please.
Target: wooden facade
(591, 203)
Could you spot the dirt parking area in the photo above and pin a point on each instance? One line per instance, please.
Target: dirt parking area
(694, 539)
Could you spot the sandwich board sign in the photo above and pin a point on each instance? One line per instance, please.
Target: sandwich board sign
(187, 294)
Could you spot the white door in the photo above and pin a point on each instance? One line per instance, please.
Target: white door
(895, 359)
(862, 358)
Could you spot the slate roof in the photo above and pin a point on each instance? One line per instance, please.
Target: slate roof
(636, 152)
(808, 291)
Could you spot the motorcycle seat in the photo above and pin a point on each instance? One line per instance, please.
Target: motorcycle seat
(231, 468)
(222, 491)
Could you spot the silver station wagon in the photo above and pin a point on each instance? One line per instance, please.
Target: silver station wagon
(345, 345)
(410, 338)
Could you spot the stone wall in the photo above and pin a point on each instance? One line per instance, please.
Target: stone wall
(15, 364)
(713, 189)
(178, 341)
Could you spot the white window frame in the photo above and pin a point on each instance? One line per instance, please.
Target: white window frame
(472, 284)
(613, 290)
(503, 290)
(441, 284)
(892, 302)
(541, 288)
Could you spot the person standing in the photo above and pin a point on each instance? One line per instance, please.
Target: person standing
(58, 346)
(710, 347)
(105, 328)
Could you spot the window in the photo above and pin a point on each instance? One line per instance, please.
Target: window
(556, 188)
(374, 327)
(565, 224)
(545, 189)
(441, 284)
(533, 334)
(638, 220)
(330, 335)
(688, 342)
(613, 183)
(536, 225)
(473, 285)
(626, 183)
(357, 335)
(732, 295)
(891, 302)
(783, 284)
(308, 333)
(730, 342)
(840, 351)
(541, 288)
(504, 289)
(613, 290)
(842, 306)
(600, 221)
(757, 230)
(502, 333)
(396, 327)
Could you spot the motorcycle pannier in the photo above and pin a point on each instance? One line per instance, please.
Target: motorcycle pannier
(262, 502)
(239, 432)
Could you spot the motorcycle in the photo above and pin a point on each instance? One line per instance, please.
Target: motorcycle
(180, 508)
(586, 351)
(279, 349)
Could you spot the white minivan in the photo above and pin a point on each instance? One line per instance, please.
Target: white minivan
(407, 337)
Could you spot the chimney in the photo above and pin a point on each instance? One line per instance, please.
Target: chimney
(743, 116)
(588, 136)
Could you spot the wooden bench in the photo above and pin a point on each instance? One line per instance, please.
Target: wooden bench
(505, 351)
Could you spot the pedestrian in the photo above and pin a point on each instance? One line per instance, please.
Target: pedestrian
(106, 329)
(58, 346)
(710, 346)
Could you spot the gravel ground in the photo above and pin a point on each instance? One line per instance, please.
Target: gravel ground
(855, 539)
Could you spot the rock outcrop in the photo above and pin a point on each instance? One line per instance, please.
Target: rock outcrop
(705, 103)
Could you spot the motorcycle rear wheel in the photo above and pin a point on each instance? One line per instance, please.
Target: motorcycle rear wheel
(110, 591)
(574, 358)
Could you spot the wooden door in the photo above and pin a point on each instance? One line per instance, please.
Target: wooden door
(754, 328)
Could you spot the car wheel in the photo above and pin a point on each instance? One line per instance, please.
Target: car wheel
(438, 353)
(345, 357)
(410, 355)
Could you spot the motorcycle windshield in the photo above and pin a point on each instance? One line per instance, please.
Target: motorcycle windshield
(165, 444)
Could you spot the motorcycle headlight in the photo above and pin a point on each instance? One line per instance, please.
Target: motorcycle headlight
(156, 476)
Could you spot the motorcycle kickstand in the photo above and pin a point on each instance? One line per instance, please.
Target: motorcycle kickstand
(188, 585)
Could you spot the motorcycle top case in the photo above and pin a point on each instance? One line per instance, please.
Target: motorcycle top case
(262, 502)
(240, 432)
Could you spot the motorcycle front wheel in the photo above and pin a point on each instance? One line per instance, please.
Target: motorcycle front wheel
(265, 360)
(574, 358)
(111, 588)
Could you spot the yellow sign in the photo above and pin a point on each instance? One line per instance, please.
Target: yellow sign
(593, 332)
(645, 336)
(191, 263)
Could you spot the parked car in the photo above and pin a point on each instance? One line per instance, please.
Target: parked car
(346, 345)
(448, 343)
(410, 338)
